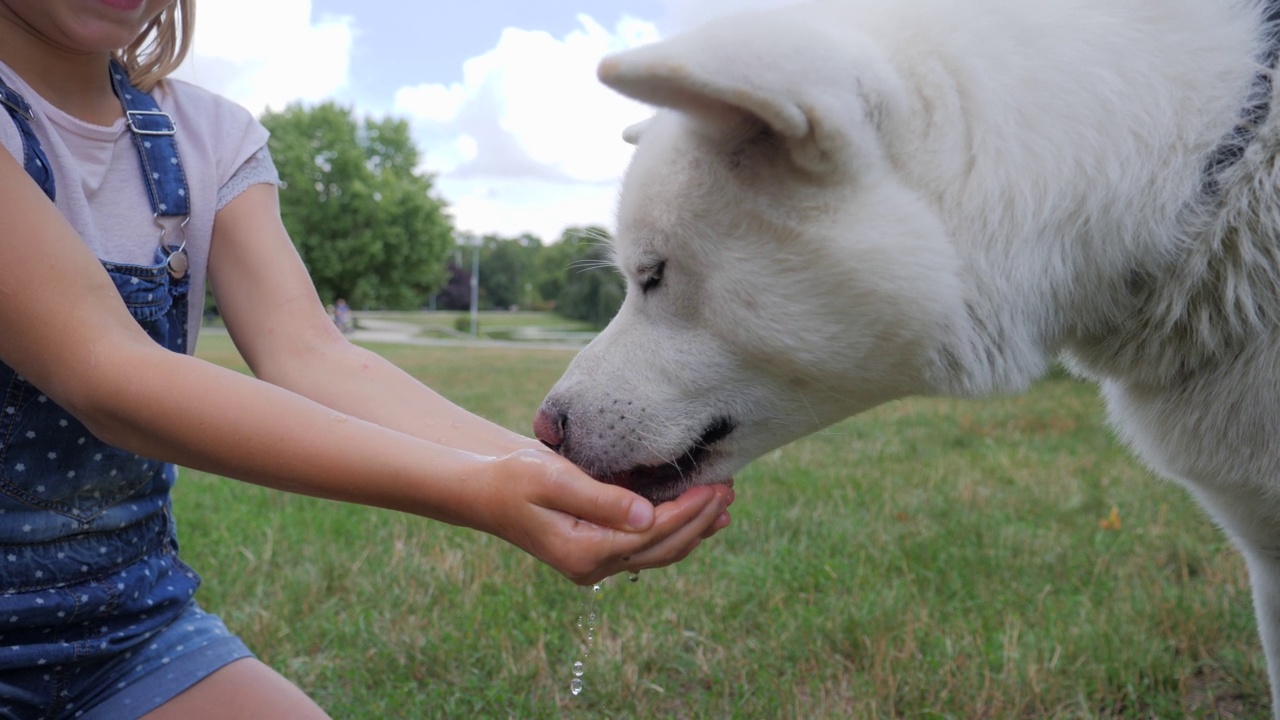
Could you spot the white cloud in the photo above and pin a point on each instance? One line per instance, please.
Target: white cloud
(433, 103)
(542, 93)
(529, 140)
(268, 54)
(511, 207)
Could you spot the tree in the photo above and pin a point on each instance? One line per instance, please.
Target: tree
(578, 272)
(456, 292)
(364, 220)
(506, 270)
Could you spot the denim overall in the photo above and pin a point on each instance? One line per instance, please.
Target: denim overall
(90, 580)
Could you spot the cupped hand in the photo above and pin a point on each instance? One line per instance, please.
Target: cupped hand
(588, 530)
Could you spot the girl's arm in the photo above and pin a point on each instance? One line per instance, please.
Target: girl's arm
(64, 327)
(282, 330)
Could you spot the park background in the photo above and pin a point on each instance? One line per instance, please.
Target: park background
(930, 559)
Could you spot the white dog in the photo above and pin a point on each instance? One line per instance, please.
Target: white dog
(846, 202)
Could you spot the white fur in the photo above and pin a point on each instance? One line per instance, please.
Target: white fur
(856, 200)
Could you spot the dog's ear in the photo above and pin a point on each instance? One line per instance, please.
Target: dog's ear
(741, 74)
(673, 74)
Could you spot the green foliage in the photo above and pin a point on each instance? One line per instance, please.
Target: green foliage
(574, 276)
(371, 230)
(364, 219)
(462, 323)
(507, 271)
(578, 273)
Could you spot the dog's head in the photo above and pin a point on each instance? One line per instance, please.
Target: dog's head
(780, 276)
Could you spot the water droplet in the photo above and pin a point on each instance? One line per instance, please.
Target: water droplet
(587, 619)
(634, 577)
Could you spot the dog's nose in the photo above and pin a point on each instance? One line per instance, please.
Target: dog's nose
(548, 426)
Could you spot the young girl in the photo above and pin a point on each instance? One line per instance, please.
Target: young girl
(119, 191)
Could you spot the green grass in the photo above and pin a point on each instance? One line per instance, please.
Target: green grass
(930, 559)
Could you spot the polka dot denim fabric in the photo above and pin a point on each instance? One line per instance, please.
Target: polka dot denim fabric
(156, 299)
(156, 665)
(33, 158)
(89, 571)
(56, 478)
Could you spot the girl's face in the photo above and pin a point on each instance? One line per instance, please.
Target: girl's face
(84, 26)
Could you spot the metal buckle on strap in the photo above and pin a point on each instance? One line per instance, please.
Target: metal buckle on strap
(141, 122)
(21, 107)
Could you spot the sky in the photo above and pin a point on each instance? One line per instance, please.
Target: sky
(501, 95)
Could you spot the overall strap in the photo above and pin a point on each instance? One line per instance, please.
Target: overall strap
(153, 135)
(34, 160)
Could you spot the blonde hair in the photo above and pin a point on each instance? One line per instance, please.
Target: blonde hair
(161, 46)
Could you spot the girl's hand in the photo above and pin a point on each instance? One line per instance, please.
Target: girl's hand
(589, 530)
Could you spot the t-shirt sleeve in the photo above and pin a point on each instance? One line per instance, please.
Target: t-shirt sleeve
(258, 168)
(222, 131)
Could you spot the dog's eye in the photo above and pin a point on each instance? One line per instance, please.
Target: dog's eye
(653, 277)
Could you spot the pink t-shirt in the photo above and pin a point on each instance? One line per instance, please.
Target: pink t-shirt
(99, 180)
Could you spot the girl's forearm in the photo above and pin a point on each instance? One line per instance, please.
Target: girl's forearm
(359, 382)
(226, 423)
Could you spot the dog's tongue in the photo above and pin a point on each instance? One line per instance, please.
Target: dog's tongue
(656, 484)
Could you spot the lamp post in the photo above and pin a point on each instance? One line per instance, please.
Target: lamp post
(475, 287)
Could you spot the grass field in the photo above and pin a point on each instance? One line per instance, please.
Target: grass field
(930, 559)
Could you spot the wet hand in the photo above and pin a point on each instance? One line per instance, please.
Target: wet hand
(588, 530)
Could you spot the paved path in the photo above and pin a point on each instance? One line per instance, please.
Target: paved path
(384, 330)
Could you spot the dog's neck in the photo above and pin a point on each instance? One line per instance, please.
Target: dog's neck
(1167, 208)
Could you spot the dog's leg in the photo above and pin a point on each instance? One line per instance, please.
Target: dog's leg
(1250, 519)
(1264, 577)
(1216, 438)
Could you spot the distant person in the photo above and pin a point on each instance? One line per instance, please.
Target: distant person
(342, 316)
(103, 397)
